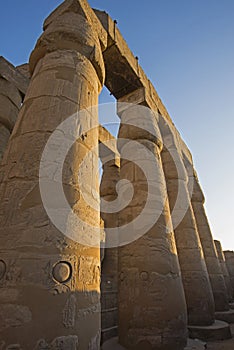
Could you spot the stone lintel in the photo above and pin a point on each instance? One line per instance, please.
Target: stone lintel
(24, 70)
(228, 252)
(136, 97)
(109, 146)
(128, 76)
(13, 75)
(219, 250)
(128, 83)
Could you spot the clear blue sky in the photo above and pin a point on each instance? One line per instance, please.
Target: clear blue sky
(186, 48)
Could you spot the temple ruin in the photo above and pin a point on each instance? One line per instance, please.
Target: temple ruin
(127, 263)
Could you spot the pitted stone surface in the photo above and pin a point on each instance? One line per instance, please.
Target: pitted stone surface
(152, 311)
(223, 265)
(192, 344)
(2, 269)
(226, 316)
(40, 269)
(214, 269)
(11, 74)
(109, 273)
(219, 330)
(12, 88)
(57, 279)
(222, 345)
(229, 258)
(195, 278)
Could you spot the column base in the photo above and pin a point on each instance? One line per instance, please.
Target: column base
(219, 330)
(226, 316)
(109, 333)
(195, 344)
(112, 344)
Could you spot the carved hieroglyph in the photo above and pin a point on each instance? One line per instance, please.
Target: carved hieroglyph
(50, 285)
(152, 312)
(109, 271)
(229, 258)
(223, 265)
(12, 87)
(211, 258)
(195, 278)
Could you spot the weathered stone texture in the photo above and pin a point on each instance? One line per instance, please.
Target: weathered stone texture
(152, 312)
(50, 283)
(229, 258)
(222, 262)
(57, 280)
(200, 303)
(11, 74)
(4, 134)
(212, 262)
(24, 70)
(11, 96)
(109, 272)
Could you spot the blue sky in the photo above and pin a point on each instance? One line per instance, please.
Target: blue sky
(186, 49)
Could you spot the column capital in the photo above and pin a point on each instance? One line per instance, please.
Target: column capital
(73, 26)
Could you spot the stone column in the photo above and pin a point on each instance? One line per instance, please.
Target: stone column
(109, 271)
(4, 137)
(224, 268)
(13, 86)
(50, 283)
(229, 258)
(210, 254)
(199, 298)
(152, 309)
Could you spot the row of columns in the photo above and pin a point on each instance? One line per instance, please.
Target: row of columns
(202, 276)
(223, 264)
(195, 277)
(167, 266)
(152, 307)
(210, 293)
(210, 254)
(109, 268)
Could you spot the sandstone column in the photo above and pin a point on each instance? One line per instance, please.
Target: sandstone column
(152, 310)
(4, 134)
(11, 85)
(210, 254)
(50, 284)
(199, 298)
(224, 268)
(229, 258)
(109, 271)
